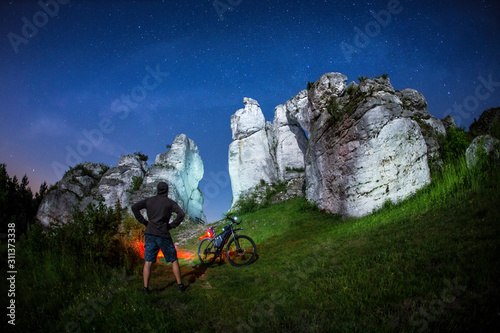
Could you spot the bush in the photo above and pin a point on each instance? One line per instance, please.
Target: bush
(80, 167)
(91, 234)
(352, 89)
(141, 156)
(454, 145)
(251, 202)
(295, 169)
(333, 107)
(136, 183)
(247, 204)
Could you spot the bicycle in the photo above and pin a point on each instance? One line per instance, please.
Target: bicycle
(240, 249)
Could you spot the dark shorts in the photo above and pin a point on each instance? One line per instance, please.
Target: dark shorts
(153, 244)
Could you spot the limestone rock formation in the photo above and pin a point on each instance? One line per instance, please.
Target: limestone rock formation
(486, 122)
(116, 183)
(249, 156)
(76, 184)
(489, 146)
(248, 120)
(265, 153)
(448, 122)
(181, 167)
(364, 147)
(288, 145)
(366, 144)
(414, 102)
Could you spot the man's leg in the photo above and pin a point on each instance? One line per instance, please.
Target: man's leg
(146, 272)
(177, 271)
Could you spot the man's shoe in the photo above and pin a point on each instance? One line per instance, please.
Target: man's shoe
(145, 291)
(181, 288)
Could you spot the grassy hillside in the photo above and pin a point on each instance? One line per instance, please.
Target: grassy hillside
(427, 264)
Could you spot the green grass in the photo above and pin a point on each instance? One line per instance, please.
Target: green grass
(429, 263)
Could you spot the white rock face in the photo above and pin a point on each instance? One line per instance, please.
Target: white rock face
(289, 144)
(76, 184)
(182, 168)
(115, 184)
(250, 161)
(297, 107)
(364, 148)
(381, 172)
(264, 152)
(247, 121)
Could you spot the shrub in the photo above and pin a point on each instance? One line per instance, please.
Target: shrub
(79, 167)
(251, 202)
(141, 156)
(294, 169)
(454, 145)
(136, 183)
(247, 204)
(333, 107)
(352, 89)
(362, 78)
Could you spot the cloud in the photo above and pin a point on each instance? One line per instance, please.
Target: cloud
(50, 127)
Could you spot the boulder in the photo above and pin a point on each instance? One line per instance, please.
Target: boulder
(486, 144)
(415, 102)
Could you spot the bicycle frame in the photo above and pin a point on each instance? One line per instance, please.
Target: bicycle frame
(227, 232)
(212, 245)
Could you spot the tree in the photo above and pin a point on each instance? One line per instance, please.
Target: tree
(17, 203)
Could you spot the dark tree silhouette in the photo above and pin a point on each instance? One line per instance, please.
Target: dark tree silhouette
(17, 203)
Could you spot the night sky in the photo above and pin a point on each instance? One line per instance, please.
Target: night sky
(128, 76)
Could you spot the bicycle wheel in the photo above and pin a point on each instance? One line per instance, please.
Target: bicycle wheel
(206, 251)
(241, 251)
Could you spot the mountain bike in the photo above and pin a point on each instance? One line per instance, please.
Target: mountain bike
(240, 249)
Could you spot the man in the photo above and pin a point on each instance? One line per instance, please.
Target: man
(159, 209)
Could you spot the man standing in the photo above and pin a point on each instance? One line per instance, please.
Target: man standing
(159, 209)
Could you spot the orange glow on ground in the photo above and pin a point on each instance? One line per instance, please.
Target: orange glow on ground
(181, 253)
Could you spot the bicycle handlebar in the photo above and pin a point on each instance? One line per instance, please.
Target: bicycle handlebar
(232, 219)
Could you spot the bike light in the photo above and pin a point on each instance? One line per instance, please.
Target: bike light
(236, 218)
